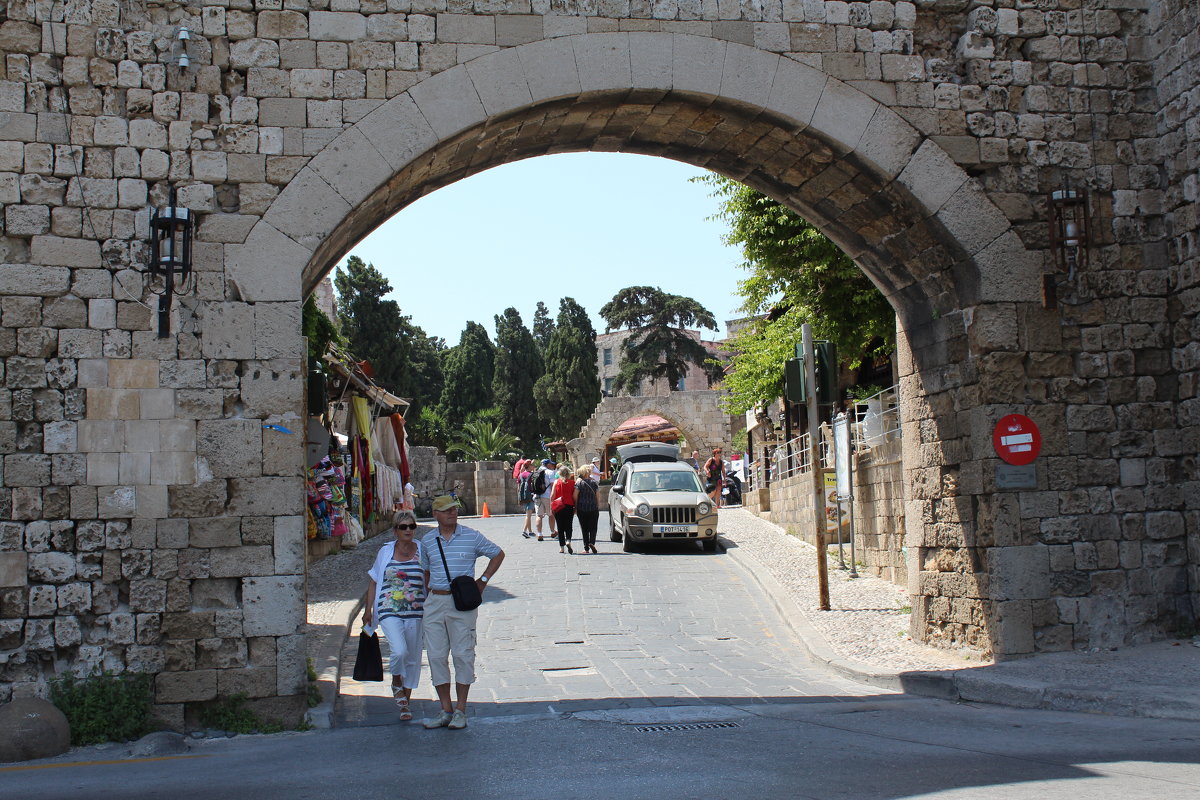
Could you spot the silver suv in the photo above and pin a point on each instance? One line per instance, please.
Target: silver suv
(656, 497)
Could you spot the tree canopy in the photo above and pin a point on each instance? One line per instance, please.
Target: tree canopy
(797, 275)
(658, 346)
(403, 358)
(569, 390)
(468, 370)
(543, 326)
(518, 366)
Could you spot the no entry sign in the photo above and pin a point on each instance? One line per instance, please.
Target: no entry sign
(1017, 439)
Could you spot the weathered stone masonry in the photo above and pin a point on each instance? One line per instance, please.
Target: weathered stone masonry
(151, 523)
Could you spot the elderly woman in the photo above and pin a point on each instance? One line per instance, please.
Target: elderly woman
(395, 602)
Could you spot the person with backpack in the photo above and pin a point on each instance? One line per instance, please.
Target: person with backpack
(587, 508)
(543, 485)
(526, 497)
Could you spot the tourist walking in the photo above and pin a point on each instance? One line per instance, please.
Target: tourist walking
(587, 508)
(525, 495)
(714, 474)
(448, 631)
(562, 504)
(395, 603)
(543, 485)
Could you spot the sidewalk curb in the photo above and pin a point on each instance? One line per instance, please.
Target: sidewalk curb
(328, 664)
(815, 645)
(972, 684)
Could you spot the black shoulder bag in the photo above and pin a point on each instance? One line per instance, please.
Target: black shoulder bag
(463, 589)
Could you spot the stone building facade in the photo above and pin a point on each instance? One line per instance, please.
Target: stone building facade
(608, 365)
(152, 523)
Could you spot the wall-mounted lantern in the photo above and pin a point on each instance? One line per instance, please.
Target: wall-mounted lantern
(1070, 233)
(171, 230)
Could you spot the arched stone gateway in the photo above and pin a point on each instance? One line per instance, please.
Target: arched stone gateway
(697, 415)
(156, 524)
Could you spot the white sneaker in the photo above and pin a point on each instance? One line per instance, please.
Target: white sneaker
(440, 721)
(458, 721)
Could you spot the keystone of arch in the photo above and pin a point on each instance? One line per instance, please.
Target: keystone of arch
(350, 170)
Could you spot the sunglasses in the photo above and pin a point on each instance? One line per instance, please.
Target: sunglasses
(405, 527)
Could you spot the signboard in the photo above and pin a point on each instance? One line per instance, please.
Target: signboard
(842, 455)
(1017, 439)
(832, 505)
(1009, 476)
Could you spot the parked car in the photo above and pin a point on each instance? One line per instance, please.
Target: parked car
(655, 497)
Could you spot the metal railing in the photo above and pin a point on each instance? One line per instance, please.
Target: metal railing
(876, 422)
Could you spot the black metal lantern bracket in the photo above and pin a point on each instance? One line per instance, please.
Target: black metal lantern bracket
(171, 232)
(1070, 232)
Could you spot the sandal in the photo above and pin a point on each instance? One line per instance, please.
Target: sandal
(401, 702)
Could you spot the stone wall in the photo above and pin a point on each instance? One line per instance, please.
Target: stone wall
(1176, 39)
(697, 415)
(151, 522)
(878, 511)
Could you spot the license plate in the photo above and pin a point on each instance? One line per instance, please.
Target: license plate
(672, 528)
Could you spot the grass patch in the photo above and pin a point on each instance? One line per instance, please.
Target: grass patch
(230, 714)
(905, 609)
(105, 707)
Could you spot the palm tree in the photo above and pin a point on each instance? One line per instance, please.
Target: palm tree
(484, 441)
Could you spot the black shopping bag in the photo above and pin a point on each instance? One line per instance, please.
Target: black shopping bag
(368, 666)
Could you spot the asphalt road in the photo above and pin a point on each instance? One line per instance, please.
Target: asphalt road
(662, 674)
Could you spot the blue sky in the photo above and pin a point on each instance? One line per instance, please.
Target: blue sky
(583, 225)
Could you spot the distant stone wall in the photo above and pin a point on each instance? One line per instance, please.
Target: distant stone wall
(878, 511)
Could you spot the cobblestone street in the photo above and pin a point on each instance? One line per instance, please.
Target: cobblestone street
(561, 633)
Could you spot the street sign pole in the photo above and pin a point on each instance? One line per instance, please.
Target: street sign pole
(814, 461)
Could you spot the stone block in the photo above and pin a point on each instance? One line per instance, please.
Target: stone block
(231, 448)
(747, 75)
(336, 26)
(55, 568)
(514, 29)
(289, 545)
(185, 687)
(266, 496)
(449, 102)
(500, 81)
(466, 28)
(34, 279)
(239, 562)
(273, 606)
(228, 330)
(1019, 573)
(931, 176)
(216, 593)
(291, 659)
(14, 569)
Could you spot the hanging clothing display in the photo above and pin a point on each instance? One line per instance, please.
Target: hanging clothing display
(327, 501)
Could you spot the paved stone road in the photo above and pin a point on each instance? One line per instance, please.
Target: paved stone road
(563, 633)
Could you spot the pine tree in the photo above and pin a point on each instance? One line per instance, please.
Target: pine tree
(543, 326)
(569, 391)
(658, 346)
(518, 366)
(468, 369)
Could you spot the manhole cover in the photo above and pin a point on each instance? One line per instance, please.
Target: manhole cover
(685, 726)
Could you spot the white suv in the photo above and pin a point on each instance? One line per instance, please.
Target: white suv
(658, 498)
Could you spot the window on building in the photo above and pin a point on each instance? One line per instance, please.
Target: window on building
(681, 385)
(608, 384)
(608, 356)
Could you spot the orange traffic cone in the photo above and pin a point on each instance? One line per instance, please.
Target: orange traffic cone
(485, 510)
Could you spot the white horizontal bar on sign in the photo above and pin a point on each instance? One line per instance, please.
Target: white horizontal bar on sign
(1019, 438)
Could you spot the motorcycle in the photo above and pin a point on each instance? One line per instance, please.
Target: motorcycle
(731, 491)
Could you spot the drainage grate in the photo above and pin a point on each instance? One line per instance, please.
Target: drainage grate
(686, 726)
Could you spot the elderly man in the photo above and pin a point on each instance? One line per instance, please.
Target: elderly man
(448, 630)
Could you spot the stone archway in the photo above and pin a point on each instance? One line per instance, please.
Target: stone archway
(950, 263)
(697, 415)
(148, 504)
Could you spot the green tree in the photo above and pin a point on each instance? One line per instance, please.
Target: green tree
(797, 275)
(403, 358)
(518, 366)
(658, 346)
(569, 390)
(543, 326)
(468, 369)
(482, 440)
(318, 329)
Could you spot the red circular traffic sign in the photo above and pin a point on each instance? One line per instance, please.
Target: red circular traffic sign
(1017, 439)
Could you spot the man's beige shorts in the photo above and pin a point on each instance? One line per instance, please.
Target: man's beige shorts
(543, 507)
(449, 631)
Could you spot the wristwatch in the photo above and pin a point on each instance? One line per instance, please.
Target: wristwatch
(483, 578)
